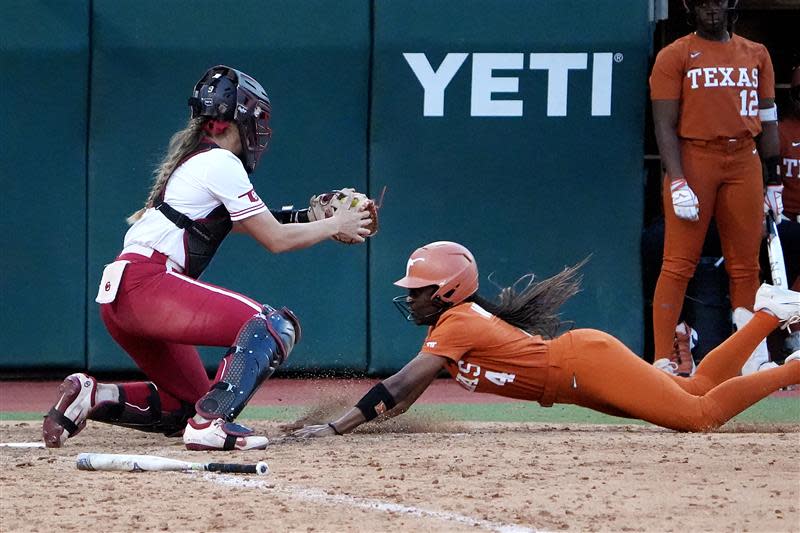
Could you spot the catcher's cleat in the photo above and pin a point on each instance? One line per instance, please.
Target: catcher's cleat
(68, 416)
(782, 303)
(220, 435)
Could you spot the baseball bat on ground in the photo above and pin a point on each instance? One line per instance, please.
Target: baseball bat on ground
(144, 463)
(777, 266)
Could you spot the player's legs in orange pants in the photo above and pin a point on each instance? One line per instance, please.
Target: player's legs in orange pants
(599, 372)
(728, 184)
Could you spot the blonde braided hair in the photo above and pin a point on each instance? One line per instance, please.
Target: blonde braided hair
(181, 144)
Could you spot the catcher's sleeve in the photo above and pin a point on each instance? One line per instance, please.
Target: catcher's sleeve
(288, 215)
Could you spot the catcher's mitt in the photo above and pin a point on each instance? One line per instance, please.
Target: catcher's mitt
(324, 205)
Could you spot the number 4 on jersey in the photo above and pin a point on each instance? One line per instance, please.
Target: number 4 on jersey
(499, 378)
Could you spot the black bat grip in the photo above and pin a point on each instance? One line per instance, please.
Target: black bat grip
(231, 468)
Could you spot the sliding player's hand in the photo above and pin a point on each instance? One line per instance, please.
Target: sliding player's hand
(319, 430)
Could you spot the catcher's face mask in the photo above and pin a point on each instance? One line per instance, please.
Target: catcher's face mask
(224, 93)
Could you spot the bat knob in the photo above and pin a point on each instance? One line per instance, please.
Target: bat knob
(262, 468)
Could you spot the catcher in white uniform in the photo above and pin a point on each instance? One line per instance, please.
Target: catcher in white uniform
(153, 304)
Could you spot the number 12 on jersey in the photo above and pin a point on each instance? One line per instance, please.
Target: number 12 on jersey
(469, 376)
(749, 105)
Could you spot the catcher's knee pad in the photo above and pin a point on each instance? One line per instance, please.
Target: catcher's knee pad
(263, 344)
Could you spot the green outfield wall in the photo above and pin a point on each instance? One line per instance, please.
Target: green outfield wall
(44, 66)
(513, 130)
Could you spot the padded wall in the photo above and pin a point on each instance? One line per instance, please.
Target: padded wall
(44, 60)
(312, 58)
(516, 131)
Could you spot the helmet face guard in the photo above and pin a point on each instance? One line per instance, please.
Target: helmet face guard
(402, 304)
(225, 93)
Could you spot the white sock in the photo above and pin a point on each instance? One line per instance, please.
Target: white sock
(106, 393)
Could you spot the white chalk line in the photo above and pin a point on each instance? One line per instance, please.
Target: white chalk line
(320, 496)
(22, 444)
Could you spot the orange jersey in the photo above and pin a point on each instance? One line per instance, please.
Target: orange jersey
(719, 85)
(790, 163)
(487, 354)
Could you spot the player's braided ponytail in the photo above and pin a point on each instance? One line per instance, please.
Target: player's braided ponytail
(181, 144)
(535, 308)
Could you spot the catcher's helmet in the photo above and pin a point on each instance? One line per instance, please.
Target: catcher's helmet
(224, 93)
(448, 265)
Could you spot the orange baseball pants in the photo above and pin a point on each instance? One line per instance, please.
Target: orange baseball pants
(595, 370)
(726, 177)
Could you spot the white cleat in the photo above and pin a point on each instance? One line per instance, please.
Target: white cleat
(766, 366)
(220, 435)
(68, 416)
(794, 357)
(665, 365)
(782, 303)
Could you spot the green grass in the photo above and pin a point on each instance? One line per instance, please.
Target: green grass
(769, 410)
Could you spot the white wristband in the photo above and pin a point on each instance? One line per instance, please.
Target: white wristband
(768, 114)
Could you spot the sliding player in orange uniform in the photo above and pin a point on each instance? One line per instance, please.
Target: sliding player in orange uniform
(713, 92)
(510, 348)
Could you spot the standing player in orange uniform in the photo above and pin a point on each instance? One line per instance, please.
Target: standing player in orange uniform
(789, 228)
(510, 348)
(712, 93)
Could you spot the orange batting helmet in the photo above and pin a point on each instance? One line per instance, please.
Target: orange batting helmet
(448, 265)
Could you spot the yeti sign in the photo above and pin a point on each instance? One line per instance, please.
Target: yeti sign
(484, 83)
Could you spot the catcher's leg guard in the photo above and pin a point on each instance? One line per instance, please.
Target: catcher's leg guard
(263, 343)
(151, 420)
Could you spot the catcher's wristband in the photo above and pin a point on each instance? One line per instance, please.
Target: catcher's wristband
(287, 215)
(376, 402)
(773, 166)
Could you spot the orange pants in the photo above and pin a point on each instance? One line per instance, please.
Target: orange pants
(726, 177)
(595, 370)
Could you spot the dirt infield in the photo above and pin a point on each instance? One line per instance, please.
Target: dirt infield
(39, 395)
(421, 475)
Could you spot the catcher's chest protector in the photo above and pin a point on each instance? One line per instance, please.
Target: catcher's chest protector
(201, 237)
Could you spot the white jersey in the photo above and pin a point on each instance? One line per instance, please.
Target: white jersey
(197, 187)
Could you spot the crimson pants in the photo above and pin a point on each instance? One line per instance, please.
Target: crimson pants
(159, 316)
